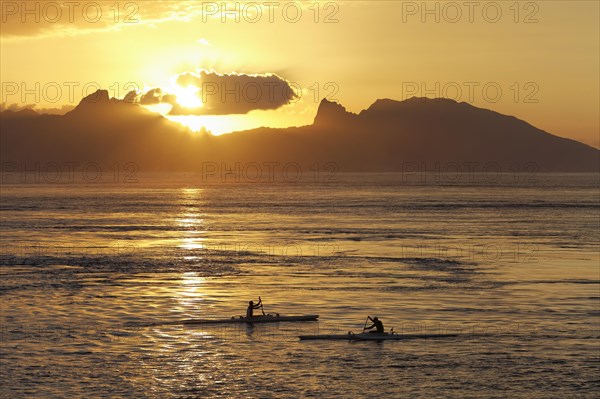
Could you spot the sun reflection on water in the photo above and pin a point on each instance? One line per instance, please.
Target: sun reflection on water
(190, 294)
(190, 220)
(192, 243)
(190, 288)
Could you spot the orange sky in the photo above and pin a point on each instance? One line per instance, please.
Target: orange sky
(543, 56)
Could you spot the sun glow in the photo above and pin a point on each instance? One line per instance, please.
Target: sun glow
(188, 96)
(215, 124)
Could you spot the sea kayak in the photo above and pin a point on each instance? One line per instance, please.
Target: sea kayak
(251, 320)
(373, 336)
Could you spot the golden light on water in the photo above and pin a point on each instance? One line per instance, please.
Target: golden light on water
(191, 224)
(190, 293)
(190, 220)
(192, 243)
(192, 282)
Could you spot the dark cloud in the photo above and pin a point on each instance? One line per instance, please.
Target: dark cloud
(153, 96)
(224, 94)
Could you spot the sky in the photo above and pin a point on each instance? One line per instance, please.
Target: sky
(254, 64)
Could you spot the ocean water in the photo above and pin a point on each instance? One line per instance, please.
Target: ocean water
(96, 275)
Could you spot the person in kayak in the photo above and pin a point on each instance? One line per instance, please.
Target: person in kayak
(377, 324)
(252, 306)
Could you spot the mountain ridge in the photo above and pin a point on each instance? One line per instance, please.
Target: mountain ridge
(386, 136)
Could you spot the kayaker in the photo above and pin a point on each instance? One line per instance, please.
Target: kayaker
(377, 324)
(252, 306)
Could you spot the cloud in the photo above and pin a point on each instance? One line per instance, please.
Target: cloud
(235, 93)
(39, 18)
(153, 96)
(220, 94)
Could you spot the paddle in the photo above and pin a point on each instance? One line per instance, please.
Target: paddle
(261, 306)
(365, 326)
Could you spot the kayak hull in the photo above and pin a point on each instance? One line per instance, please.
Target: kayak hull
(373, 337)
(253, 320)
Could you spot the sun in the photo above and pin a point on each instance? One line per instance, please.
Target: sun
(188, 96)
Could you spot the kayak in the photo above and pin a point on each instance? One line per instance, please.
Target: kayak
(251, 320)
(373, 336)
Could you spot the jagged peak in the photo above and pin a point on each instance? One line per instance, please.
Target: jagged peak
(98, 97)
(93, 101)
(330, 111)
(99, 101)
(326, 104)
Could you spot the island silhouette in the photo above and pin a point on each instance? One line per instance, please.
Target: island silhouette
(385, 137)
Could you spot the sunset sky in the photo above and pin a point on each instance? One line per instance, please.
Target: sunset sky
(543, 55)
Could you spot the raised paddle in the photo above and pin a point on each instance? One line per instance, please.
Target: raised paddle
(261, 306)
(365, 326)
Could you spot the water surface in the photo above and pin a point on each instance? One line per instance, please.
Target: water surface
(512, 267)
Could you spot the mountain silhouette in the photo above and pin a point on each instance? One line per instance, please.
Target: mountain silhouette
(21, 114)
(331, 114)
(99, 130)
(421, 132)
(387, 136)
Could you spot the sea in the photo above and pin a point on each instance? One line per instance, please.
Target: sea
(98, 275)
